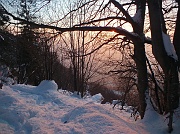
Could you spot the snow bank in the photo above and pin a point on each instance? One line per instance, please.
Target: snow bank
(97, 98)
(26, 109)
(47, 85)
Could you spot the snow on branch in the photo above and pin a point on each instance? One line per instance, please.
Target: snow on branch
(169, 47)
(137, 17)
(1, 38)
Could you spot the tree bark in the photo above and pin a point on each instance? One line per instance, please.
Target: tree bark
(167, 63)
(140, 58)
(156, 33)
(176, 39)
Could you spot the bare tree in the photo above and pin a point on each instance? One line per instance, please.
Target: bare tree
(116, 16)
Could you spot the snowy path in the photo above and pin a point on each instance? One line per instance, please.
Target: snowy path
(42, 110)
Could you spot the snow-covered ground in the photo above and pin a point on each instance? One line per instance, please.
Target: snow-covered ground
(26, 109)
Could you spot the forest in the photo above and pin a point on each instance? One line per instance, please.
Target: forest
(124, 49)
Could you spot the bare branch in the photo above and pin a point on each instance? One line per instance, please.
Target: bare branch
(129, 35)
(42, 7)
(103, 19)
(123, 71)
(74, 11)
(120, 7)
(111, 39)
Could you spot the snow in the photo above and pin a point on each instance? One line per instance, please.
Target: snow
(1, 37)
(169, 47)
(97, 98)
(42, 109)
(4, 73)
(137, 17)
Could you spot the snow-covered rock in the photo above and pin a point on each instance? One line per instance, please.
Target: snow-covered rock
(97, 98)
(47, 85)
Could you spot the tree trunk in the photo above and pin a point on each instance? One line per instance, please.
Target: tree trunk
(167, 63)
(156, 33)
(176, 39)
(140, 58)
